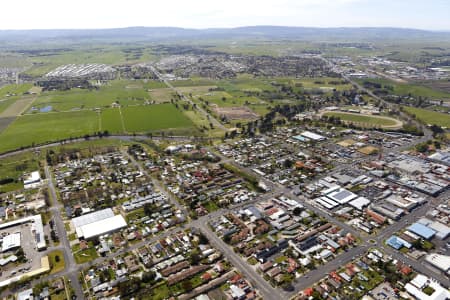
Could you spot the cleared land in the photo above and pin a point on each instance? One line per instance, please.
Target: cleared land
(161, 95)
(15, 166)
(111, 121)
(156, 117)
(17, 107)
(40, 128)
(428, 116)
(366, 120)
(105, 96)
(10, 93)
(403, 89)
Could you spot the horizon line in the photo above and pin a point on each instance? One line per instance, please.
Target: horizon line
(230, 28)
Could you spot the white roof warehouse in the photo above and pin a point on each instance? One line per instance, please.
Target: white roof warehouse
(98, 223)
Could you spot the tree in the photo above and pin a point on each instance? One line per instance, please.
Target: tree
(288, 163)
(148, 276)
(297, 211)
(194, 257)
(203, 240)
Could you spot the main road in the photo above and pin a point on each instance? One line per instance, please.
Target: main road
(55, 209)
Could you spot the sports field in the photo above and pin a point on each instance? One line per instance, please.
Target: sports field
(366, 120)
(428, 116)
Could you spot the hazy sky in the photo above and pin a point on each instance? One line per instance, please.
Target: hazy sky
(38, 14)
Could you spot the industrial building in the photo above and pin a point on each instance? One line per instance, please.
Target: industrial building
(11, 241)
(32, 181)
(422, 230)
(442, 262)
(442, 230)
(397, 242)
(37, 229)
(360, 203)
(98, 223)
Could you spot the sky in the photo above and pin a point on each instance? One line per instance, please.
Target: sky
(63, 14)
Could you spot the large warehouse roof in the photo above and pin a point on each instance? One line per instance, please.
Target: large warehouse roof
(422, 230)
(101, 227)
(92, 217)
(342, 196)
(360, 202)
(313, 136)
(11, 241)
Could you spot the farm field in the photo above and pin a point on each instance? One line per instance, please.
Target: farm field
(111, 121)
(154, 118)
(413, 89)
(124, 92)
(325, 83)
(161, 95)
(40, 128)
(366, 119)
(428, 116)
(18, 106)
(15, 92)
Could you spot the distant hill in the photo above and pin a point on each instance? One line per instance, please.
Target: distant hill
(269, 32)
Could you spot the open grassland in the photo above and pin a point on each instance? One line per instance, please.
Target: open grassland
(325, 84)
(8, 60)
(75, 99)
(13, 167)
(193, 81)
(46, 127)
(405, 89)
(155, 118)
(161, 95)
(57, 262)
(428, 116)
(18, 107)
(366, 120)
(34, 129)
(111, 120)
(11, 93)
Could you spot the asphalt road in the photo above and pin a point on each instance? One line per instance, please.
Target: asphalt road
(71, 265)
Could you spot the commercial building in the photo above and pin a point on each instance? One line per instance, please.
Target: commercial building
(442, 230)
(37, 229)
(442, 262)
(101, 227)
(388, 210)
(342, 196)
(98, 223)
(313, 136)
(11, 241)
(420, 282)
(402, 202)
(360, 203)
(422, 230)
(32, 181)
(397, 242)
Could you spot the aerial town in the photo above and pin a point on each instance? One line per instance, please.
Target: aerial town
(257, 162)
